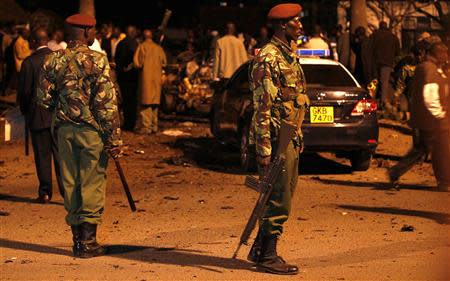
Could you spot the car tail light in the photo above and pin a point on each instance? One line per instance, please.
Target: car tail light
(364, 106)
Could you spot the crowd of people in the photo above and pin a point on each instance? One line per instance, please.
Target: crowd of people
(68, 91)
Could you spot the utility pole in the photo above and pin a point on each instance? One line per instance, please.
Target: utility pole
(358, 14)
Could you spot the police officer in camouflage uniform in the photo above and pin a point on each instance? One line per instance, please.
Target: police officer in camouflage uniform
(75, 84)
(278, 85)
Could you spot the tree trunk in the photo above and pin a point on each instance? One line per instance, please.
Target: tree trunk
(87, 7)
(359, 15)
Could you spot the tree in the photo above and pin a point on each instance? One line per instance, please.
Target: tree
(87, 7)
(443, 17)
(395, 11)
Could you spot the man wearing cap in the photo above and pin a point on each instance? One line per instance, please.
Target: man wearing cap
(278, 84)
(76, 85)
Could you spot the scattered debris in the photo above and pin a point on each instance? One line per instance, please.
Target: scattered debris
(171, 198)
(193, 145)
(301, 219)
(227, 208)
(139, 151)
(407, 228)
(116, 222)
(169, 173)
(180, 161)
(344, 213)
(26, 261)
(175, 133)
(12, 259)
(201, 201)
(161, 165)
(187, 124)
(4, 214)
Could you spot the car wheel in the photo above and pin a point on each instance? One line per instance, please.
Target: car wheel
(214, 123)
(247, 151)
(360, 160)
(168, 103)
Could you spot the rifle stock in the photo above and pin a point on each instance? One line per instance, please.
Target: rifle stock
(265, 185)
(125, 185)
(162, 27)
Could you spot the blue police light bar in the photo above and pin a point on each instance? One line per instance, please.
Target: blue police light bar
(313, 52)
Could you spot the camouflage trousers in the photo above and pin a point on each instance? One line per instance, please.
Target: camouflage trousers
(279, 204)
(83, 164)
(147, 120)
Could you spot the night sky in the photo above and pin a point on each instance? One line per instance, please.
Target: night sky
(185, 13)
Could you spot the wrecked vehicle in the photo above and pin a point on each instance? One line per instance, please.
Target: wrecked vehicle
(187, 87)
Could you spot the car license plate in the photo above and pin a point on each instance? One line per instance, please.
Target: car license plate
(321, 114)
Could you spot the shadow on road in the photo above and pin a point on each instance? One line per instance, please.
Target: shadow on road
(160, 255)
(13, 198)
(358, 257)
(441, 218)
(206, 153)
(26, 246)
(398, 127)
(315, 164)
(386, 156)
(374, 185)
(176, 256)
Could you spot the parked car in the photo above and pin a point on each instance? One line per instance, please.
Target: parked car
(341, 117)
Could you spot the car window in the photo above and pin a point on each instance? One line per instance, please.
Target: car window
(240, 79)
(327, 76)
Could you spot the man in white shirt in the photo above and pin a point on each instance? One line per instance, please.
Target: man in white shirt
(430, 116)
(229, 54)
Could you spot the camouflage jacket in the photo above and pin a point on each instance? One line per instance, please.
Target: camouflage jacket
(76, 84)
(406, 73)
(279, 93)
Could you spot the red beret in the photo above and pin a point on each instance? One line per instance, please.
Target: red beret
(81, 20)
(284, 11)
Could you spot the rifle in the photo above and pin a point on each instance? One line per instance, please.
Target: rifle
(125, 184)
(265, 185)
(163, 25)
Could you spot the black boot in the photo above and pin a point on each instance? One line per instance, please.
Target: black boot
(269, 260)
(255, 251)
(76, 237)
(88, 245)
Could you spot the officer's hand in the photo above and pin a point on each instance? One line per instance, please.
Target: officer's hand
(263, 161)
(114, 152)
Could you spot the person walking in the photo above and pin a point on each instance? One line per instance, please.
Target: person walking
(75, 83)
(149, 58)
(127, 77)
(385, 47)
(38, 119)
(430, 116)
(279, 93)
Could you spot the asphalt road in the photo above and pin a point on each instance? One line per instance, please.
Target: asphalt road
(192, 207)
